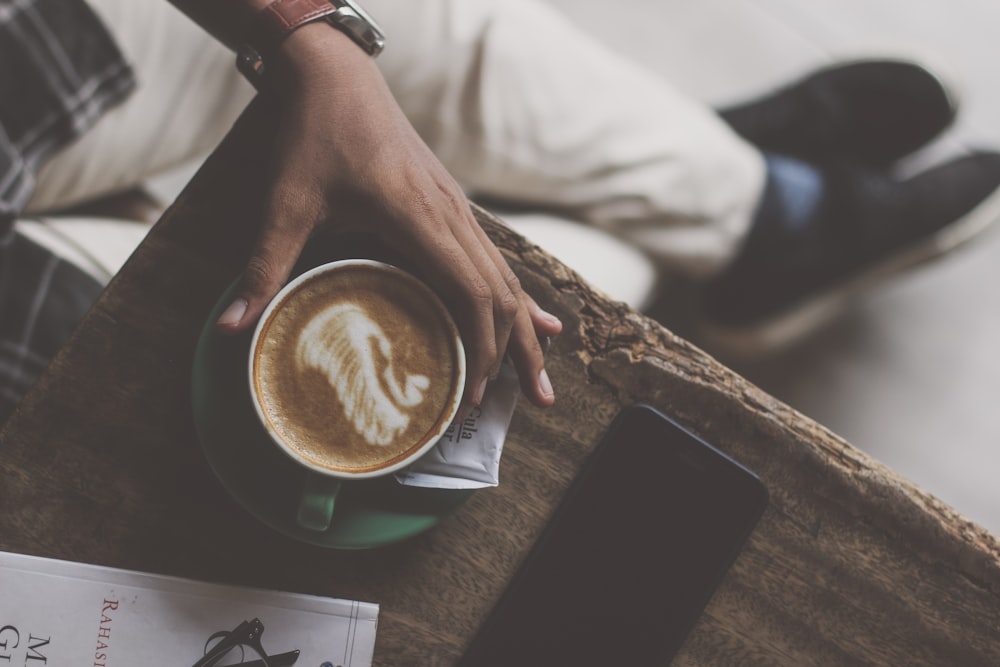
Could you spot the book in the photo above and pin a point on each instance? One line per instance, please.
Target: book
(55, 612)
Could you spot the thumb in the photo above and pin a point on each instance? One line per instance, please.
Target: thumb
(282, 238)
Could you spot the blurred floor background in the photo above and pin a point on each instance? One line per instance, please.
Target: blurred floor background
(911, 375)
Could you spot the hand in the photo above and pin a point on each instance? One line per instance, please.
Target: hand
(346, 153)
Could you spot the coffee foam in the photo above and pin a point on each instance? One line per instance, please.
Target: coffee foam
(345, 344)
(356, 368)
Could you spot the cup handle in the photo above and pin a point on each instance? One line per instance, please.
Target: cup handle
(319, 495)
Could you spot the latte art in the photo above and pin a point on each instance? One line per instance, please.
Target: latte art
(356, 369)
(350, 349)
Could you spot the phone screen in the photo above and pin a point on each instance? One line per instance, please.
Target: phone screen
(631, 556)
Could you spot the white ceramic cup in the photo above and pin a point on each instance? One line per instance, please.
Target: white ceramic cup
(339, 338)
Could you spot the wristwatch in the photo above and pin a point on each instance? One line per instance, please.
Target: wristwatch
(282, 17)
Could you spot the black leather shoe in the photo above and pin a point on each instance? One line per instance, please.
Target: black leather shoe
(785, 283)
(870, 111)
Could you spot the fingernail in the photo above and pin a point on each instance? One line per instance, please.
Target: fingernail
(551, 318)
(232, 315)
(545, 384)
(477, 397)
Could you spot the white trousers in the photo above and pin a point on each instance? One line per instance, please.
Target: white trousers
(517, 103)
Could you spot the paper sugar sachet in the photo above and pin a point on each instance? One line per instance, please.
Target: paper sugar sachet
(468, 455)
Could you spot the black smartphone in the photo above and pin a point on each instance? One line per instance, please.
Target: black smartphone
(631, 556)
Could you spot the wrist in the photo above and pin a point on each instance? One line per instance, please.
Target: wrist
(280, 20)
(315, 52)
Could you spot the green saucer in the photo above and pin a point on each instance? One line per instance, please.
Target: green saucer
(266, 482)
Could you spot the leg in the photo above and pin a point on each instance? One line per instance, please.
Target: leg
(52, 269)
(42, 298)
(188, 96)
(521, 106)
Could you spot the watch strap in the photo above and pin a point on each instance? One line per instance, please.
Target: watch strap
(277, 20)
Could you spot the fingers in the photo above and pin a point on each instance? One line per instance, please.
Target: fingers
(528, 324)
(498, 307)
(527, 354)
(546, 324)
(469, 289)
(495, 315)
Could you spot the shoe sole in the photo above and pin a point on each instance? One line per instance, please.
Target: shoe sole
(754, 341)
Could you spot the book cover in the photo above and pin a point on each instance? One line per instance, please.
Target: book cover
(55, 612)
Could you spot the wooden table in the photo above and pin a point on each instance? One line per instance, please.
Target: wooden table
(850, 564)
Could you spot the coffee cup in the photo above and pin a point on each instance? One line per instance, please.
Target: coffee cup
(356, 370)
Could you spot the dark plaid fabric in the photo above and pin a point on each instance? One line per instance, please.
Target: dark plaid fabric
(59, 71)
(42, 298)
